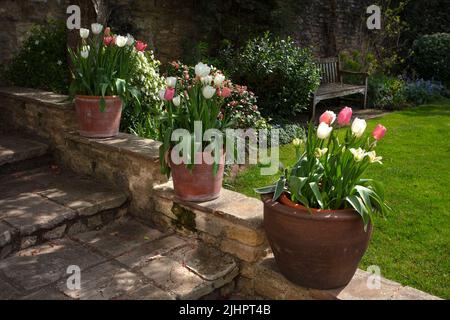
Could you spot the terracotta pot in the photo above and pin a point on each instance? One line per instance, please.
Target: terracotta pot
(321, 249)
(200, 184)
(92, 122)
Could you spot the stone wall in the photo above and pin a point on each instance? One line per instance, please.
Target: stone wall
(174, 27)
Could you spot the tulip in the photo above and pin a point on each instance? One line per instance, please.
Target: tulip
(130, 40)
(140, 46)
(379, 132)
(206, 80)
(219, 79)
(202, 70)
(84, 33)
(328, 117)
(108, 40)
(358, 154)
(225, 92)
(324, 130)
(345, 116)
(358, 127)
(161, 94)
(84, 53)
(176, 101)
(208, 92)
(121, 41)
(168, 95)
(296, 142)
(96, 28)
(107, 31)
(373, 157)
(320, 152)
(171, 82)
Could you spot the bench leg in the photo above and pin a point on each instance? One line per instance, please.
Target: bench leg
(365, 100)
(313, 113)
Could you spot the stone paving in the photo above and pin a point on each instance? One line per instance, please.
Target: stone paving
(124, 260)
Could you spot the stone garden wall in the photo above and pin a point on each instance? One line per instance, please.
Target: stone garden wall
(173, 27)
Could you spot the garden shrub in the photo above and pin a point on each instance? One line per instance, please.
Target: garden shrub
(41, 62)
(424, 91)
(144, 123)
(387, 92)
(431, 57)
(282, 75)
(288, 131)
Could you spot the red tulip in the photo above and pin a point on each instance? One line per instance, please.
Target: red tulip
(140, 46)
(109, 40)
(345, 116)
(379, 132)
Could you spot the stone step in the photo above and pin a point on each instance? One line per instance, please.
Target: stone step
(14, 148)
(124, 260)
(45, 203)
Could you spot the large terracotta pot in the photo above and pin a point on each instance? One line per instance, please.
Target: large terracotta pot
(92, 122)
(200, 184)
(318, 250)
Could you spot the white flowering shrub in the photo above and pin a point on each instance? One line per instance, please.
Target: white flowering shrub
(144, 122)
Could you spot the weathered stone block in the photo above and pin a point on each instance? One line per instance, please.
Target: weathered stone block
(55, 233)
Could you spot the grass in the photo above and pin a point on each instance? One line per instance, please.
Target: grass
(412, 244)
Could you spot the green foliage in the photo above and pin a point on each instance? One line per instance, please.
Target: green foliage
(387, 92)
(424, 91)
(288, 131)
(144, 123)
(281, 74)
(431, 56)
(41, 62)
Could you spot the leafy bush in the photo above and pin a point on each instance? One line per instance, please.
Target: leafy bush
(387, 92)
(281, 74)
(41, 63)
(147, 78)
(424, 91)
(431, 56)
(288, 131)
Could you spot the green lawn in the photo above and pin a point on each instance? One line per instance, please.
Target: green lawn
(412, 245)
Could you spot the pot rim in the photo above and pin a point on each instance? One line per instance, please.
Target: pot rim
(80, 96)
(303, 213)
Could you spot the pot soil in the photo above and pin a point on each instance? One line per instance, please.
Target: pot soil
(320, 249)
(200, 184)
(92, 122)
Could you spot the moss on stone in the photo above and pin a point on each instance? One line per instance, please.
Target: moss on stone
(185, 218)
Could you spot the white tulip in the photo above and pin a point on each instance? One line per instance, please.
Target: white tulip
(373, 157)
(171, 82)
(208, 92)
(202, 70)
(176, 101)
(121, 41)
(219, 79)
(320, 152)
(96, 28)
(161, 94)
(323, 131)
(358, 127)
(358, 154)
(84, 33)
(206, 81)
(130, 40)
(85, 52)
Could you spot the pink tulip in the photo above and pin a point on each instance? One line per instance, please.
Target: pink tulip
(345, 116)
(107, 31)
(169, 93)
(328, 117)
(379, 132)
(140, 46)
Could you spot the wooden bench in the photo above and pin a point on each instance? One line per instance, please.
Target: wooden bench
(332, 86)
